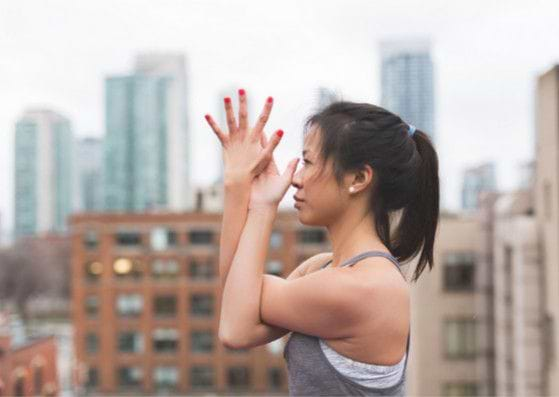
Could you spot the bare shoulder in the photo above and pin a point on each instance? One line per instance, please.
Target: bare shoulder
(380, 274)
(316, 261)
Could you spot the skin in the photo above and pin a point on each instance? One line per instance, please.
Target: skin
(329, 303)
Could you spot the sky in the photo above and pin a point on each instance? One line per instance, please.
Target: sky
(487, 56)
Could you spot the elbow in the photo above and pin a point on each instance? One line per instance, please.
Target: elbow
(231, 341)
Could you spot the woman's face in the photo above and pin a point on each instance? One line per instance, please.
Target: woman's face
(322, 200)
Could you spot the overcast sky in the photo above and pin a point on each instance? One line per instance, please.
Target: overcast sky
(487, 56)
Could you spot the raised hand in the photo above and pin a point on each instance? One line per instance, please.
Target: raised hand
(245, 155)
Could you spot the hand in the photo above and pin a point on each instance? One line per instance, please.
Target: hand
(244, 156)
(269, 187)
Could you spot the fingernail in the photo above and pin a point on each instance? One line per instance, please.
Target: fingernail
(280, 133)
(241, 92)
(227, 99)
(270, 99)
(207, 116)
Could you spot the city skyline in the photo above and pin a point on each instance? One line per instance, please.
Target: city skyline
(484, 77)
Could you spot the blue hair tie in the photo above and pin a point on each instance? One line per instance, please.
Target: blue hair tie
(411, 130)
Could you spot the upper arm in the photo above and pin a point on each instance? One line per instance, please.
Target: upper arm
(266, 333)
(327, 304)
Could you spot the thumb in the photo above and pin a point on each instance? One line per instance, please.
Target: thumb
(290, 170)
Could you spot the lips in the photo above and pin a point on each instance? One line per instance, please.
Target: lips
(298, 199)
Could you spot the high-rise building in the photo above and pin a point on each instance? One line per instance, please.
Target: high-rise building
(547, 210)
(89, 161)
(43, 172)
(147, 159)
(407, 82)
(476, 180)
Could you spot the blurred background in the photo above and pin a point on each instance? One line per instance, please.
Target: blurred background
(110, 184)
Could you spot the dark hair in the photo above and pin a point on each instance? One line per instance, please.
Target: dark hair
(406, 172)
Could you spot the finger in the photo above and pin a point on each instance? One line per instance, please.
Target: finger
(263, 139)
(290, 170)
(243, 112)
(268, 152)
(231, 122)
(264, 142)
(264, 116)
(220, 135)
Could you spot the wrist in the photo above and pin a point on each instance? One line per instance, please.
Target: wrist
(232, 180)
(266, 209)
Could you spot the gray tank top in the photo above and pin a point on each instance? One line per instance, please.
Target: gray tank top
(309, 371)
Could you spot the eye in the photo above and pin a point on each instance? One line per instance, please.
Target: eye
(305, 161)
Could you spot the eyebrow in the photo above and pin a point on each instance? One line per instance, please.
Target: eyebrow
(305, 151)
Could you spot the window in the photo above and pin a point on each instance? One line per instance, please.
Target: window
(459, 271)
(130, 342)
(460, 338)
(201, 305)
(275, 378)
(165, 340)
(238, 377)
(276, 239)
(459, 389)
(165, 269)
(165, 378)
(129, 305)
(125, 268)
(128, 239)
(19, 387)
(201, 341)
(92, 378)
(93, 271)
(91, 343)
(165, 305)
(91, 305)
(162, 238)
(274, 267)
(201, 269)
(130, 377)
(311, 236)
(90, 240)
(201, 237)
(202, 377)
(38, 380)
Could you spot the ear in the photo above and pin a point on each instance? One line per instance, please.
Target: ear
(362, 179)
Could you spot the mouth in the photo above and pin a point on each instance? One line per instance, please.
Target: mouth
(297, 199)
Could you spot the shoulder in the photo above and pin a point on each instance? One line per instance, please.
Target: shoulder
(315, 262)
(379, 276)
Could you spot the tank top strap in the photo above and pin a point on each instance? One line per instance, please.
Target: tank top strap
(353, 260)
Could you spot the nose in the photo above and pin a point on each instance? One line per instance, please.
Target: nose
(296, 181)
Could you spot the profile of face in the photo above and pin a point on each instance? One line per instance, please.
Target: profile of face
(323, 201)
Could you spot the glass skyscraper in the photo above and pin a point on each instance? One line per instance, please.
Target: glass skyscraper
(42, 173)
(407, 82)
(146, 158)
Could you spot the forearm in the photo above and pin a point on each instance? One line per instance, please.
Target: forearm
(240, 304)
(235, 208)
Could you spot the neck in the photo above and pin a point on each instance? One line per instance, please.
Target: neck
(353, 233)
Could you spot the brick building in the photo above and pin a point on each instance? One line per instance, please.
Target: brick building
(27, 364)
(145, 293)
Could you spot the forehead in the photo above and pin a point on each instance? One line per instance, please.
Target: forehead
(312, 142)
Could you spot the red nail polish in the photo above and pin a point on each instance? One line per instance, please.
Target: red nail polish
(207, 116)
(227, 99)
(280, 133)
(270, 99)
(241, 92)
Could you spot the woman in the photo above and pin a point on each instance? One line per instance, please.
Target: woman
(350, 321)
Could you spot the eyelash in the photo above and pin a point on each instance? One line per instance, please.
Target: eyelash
(306, 161)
